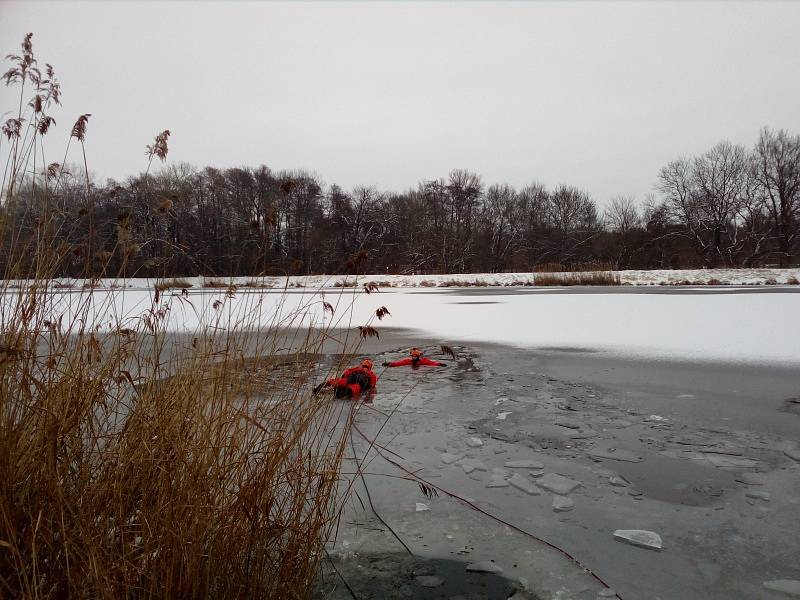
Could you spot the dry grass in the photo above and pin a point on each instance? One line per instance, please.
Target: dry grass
(172, 284)
(792, 281)
(136, 463)
(128, 475)
(216, 284)
(345, 283)
(456, 283)
(257, 284)
(578, 278)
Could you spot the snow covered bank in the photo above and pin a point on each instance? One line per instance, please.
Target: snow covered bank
(657, 277)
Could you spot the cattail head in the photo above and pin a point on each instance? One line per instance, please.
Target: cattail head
(44, 124)
(159, 147)
(79, 129)
(25, 63)
(52, 170)
(12, 128)
(27, 45)
(366, 331)
(51, 86)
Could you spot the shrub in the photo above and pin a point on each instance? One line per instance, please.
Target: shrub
(792, 281)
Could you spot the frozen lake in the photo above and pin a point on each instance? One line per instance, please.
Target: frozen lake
(743, 325)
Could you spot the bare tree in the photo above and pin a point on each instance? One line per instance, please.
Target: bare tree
(573, 218)
(465, 190)
(622, 214)
(707, 196)
(777, 158)
(500, 224)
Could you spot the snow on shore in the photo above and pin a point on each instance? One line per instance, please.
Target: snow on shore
(760, 276)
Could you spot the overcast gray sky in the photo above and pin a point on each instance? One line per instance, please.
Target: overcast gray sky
(599, 95)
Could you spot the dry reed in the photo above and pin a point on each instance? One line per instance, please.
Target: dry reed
(577, 278)
(140, 462)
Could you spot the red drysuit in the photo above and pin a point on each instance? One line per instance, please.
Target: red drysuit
(354, 381)
(421, 362)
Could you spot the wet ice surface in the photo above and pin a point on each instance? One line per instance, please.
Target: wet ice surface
(571, 464)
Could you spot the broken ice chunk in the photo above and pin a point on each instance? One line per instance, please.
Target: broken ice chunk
(429, 581)
(562, 504)
(558, 484)
(524, 484)
(448, 458)
(790, 587)
(485, 566)
(470, 464)
(524, 464)
(639, 537)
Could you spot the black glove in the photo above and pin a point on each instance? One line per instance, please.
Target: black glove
(386, 364)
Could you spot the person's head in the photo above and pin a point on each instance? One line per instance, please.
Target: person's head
(416, 353)
(367, 364)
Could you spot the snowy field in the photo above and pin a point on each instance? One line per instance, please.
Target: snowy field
(658, 277)
(683, 323)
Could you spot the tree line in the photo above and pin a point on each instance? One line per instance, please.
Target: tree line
(730, 206)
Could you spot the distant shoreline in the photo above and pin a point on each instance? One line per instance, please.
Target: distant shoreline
(660, 277)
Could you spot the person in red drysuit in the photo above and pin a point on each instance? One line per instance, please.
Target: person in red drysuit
(354, 381)
(415, 360)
